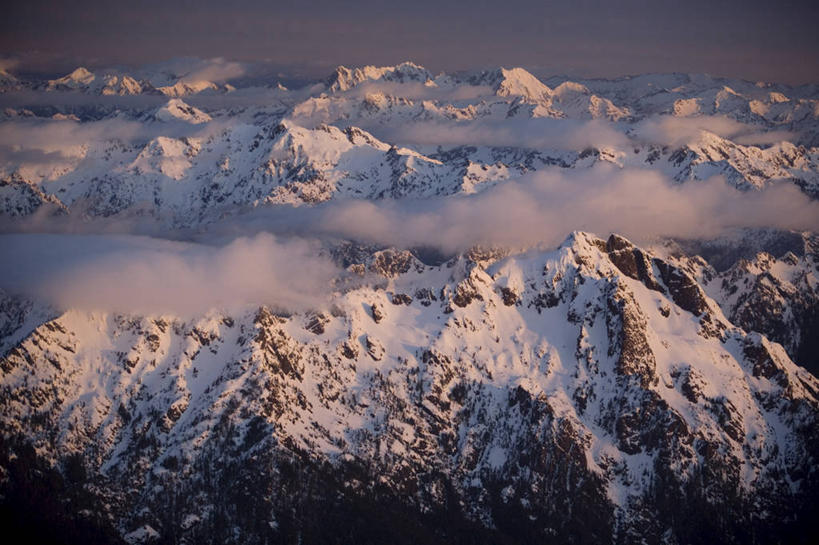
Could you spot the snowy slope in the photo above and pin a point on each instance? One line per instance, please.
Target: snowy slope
(177, 110)
(593, 367)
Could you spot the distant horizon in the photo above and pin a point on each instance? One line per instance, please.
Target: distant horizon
(752, 40)
(311, 73)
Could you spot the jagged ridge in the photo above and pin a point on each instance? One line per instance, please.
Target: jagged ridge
(590, 393)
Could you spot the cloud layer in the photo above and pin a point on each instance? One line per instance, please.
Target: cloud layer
(538, 133)
(145, 275)
(127, 273)
(217, 70)
(43, 141)
(544, 207)
(682, 131)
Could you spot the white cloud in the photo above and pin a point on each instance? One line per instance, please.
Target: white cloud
(63, 137)
(8, 63)
(682, 131)
(414, 90)
(217, 70)
(538, 133)
(145, 275)
(38, 140)
(544, 207)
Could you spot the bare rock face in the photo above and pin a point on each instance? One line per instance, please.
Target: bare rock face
(630, 260)
(391, 263)
(315, 323)
(376, 313)
(509, 297)
(626, 328)
(685, 292)
(401, 299)
(567, 396)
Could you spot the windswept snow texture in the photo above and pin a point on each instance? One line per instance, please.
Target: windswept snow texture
(412, 356)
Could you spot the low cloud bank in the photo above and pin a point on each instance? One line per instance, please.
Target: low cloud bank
(543, 208)
(43, 141)
(62, 137)
(217, 70)
(8, 63)
(419, 91)
(137, 274)
(538, 133)
(681, 131)
(145, 275)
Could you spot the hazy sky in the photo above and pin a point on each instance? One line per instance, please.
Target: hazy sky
(771, 40)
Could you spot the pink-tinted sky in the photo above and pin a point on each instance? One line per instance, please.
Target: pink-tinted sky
(775, 41)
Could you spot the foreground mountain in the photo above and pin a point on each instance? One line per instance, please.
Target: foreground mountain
(593, 393)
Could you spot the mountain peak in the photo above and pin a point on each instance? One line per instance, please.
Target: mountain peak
(125, 85)
(81, 74)
(580, 240)
(177, 110)
(569, 87)
(183, 88)
(79, 78)
(344, 78)
(513, 82)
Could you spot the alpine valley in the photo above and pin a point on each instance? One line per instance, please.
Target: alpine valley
(644, 383)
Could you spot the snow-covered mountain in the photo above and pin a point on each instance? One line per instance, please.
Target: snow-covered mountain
(574, 394)
(119, 83)
(345, 78)
(177, 110)
(604, 391)
(84, 80)
(490, 126)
